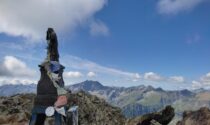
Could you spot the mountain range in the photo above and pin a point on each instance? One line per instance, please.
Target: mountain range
(133, 101)
(139, 100)
(10, 89)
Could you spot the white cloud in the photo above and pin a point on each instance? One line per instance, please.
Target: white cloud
(204, 81)
(13, 67)
(137, 76)
(196, 84)
(98, 28)
(15, 71)
(176, 6)
(91, 74)
(151, 76)
(31, 18)
(177, 79)
(73, 74)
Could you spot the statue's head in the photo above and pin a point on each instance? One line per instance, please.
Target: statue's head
(49, 32)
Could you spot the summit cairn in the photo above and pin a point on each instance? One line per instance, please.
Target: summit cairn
(51, 96)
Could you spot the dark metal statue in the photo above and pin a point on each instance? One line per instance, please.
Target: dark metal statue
(52, 49)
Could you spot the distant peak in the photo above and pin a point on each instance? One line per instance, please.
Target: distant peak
(89, 85)
(92, 82)
(150, 87)
(159, 89)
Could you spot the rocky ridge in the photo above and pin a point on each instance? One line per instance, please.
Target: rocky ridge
(16, 110)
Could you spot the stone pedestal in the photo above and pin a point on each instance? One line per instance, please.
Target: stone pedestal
(46, 91)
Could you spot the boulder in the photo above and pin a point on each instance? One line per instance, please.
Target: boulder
(157, 118)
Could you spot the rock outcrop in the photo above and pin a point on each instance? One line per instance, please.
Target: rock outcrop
(200, 117)
(15, 110)
(95, 111)
(159, 118)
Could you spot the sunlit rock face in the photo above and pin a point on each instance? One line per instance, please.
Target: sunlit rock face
(199, 117)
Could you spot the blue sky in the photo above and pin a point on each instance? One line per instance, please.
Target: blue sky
(163, 43)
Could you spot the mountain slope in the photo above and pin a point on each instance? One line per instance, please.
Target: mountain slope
(140, 100)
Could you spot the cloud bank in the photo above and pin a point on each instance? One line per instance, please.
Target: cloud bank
(80, 64)
(176, 6)
(31, 18)
(83, 64)
(15, 71)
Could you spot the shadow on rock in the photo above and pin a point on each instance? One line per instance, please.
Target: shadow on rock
(158, 118)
